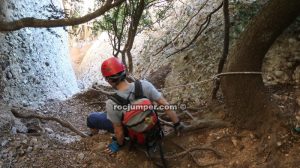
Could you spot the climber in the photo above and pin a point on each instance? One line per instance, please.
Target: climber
(118, 120)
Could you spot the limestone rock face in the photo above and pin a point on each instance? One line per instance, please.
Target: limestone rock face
(89, 69)
(35, 64)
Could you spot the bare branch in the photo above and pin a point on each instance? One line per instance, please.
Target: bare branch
(225, 48)
(201, 29)
(181, 31)
(39, 23)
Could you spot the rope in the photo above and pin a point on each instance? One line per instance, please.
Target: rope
(212, 78)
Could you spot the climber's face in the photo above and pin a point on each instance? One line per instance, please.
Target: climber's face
(111, 82)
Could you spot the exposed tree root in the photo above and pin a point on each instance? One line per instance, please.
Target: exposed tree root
(193, 149)
(197, 148)
(163, 122)
(200, 124)
(98, 89)
(30, 114)
(96, 103)
(189, 114)
(190, 153)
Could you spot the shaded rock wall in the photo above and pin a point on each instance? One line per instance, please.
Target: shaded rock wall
(35, 64)
(282, 62)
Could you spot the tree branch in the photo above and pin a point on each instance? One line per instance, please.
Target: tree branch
(39, 23)
(201, 29)
(181, 31)
(225, 48)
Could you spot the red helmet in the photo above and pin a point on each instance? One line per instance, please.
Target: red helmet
(112, 66)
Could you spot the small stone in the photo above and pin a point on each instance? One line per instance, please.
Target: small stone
(33, 141)
(292, 40)
(269, 78)
(25, 103)
(99, 146)
(279, 143)
(298, 118)
(278, 73)
(80, 156)
(49, 130)
(234, 141)
(298, 101)
(29, 149)
(17, 144)
(36, 147)
(45, 146)
(289, 65)
(21, 128)
(14, 130)
(3, 143)
(9, 75)
(24, 141)
(11, 154)
(21, 152)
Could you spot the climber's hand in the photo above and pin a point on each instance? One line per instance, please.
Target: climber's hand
(113, 147)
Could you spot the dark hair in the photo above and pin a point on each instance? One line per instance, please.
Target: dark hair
(117, 78)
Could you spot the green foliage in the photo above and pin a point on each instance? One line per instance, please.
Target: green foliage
(117, 20)
(243, 13)
(146, 20)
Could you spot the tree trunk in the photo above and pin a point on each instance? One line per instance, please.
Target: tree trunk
(135, 20)
(248, 102)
